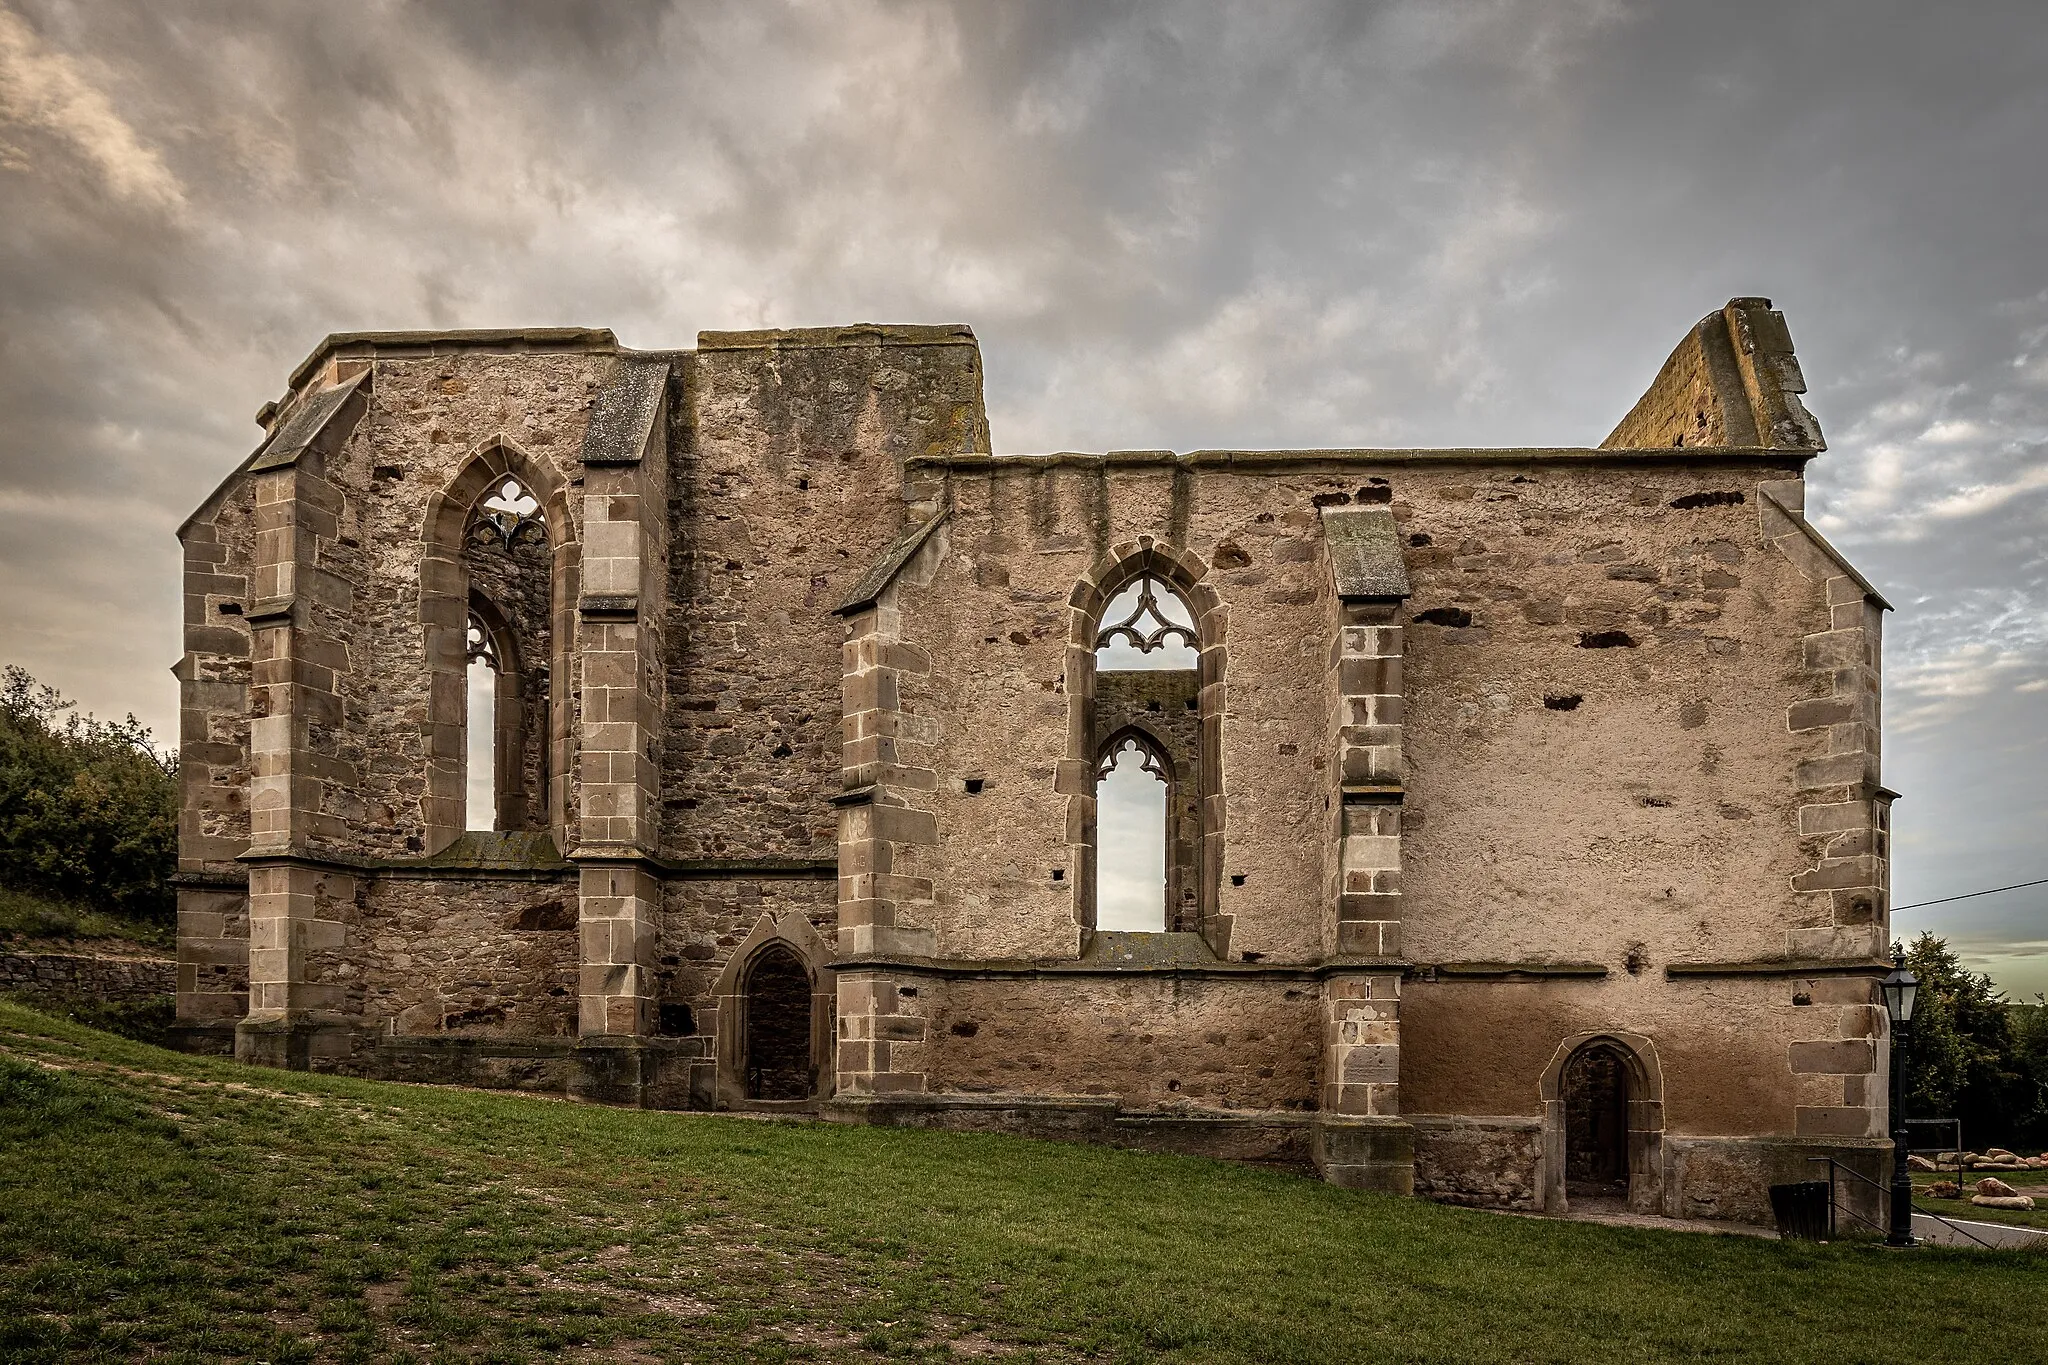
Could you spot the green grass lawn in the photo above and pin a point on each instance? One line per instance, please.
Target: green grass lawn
(172, 1208)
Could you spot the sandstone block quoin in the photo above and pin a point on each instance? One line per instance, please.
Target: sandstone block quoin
(726, 727)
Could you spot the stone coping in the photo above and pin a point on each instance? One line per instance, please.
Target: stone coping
(418, 344)
(522, 857)
(1166, 963)
(884, 569)
(1510, 971)
(1809, 966)
(851, 334)
(1272, 461)
(1365, 553)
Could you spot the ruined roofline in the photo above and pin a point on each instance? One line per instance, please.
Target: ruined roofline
(1269, 461)
(852, 334)
(1734, 380)
(407, 345)
(418, 344)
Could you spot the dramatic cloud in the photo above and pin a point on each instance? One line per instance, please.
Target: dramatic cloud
(1172, 225)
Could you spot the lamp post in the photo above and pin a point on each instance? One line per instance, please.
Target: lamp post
(1900, 987)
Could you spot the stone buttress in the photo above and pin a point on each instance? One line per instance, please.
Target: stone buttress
(1360, 1140)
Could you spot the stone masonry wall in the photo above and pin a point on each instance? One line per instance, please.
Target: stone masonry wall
(788, 459)
(454, 957)
(1149, 1042)
(1586, 651)
(81, 976)
(430, 418)
(1612, 764)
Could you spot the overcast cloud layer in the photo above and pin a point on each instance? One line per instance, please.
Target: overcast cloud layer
(1179, 225)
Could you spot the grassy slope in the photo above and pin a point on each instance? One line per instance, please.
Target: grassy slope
(27, 919)
(152, 1204)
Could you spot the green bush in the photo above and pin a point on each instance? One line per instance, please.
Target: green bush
(88, 808)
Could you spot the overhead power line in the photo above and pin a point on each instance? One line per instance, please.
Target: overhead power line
(1967, 894)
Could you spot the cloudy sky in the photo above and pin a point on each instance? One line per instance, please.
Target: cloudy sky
(1171, 225)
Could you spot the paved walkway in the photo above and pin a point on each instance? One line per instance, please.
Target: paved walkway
(1615, 1213)
(2001, 1235)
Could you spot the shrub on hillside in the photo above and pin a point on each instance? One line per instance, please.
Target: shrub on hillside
(88, 808)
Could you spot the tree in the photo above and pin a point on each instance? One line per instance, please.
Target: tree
(88, 808)
(1963, 1055)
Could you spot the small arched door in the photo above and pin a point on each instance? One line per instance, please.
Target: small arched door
(777, 1061)
(1594, 1088)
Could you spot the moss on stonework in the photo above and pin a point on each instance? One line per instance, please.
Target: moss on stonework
(522, 850)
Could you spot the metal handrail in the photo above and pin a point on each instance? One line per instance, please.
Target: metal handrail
(1834, 1165)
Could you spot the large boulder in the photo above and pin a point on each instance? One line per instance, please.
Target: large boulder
(1920, 1163)
(1994, 1201)
(1995, 1188)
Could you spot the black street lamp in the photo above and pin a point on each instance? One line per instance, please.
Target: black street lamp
(1900, 988)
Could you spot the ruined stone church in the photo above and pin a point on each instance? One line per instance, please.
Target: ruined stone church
(732, 728)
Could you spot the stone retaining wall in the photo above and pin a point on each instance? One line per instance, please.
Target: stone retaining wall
(80, 976)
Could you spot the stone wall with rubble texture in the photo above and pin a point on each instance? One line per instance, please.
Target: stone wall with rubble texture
(1599, 663)
(1637, 696)
(1147, 1041)
(427, 419)
(84, 976)
(455, 957)
(1593, 677)
(787, 475)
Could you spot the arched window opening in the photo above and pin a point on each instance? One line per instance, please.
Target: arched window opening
(511, 576)
(1146, 627)
(777, 1027)
(1147, 790)
(484, 671)
(1595, 1092)
(1133, 794)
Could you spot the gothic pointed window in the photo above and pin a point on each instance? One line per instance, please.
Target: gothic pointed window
(511, 570)
(1134, 790)
(1146, 652)
(482, 677)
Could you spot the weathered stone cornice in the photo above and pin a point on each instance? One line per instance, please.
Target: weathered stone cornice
(1284, 461)
(1017, 968)
(1787, 967)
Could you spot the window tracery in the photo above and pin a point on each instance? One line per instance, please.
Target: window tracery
(1149, 622)
(510, 516)
(483, 645)
(1150, 760)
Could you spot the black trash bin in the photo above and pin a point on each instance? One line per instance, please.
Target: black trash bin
(1802, 1209)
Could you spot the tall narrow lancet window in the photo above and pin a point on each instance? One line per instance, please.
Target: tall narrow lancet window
(482, 678)
(1146, 705)
(511, 603)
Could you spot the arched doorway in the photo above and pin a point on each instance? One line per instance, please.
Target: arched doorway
(778, 1064)
(1595, 1091)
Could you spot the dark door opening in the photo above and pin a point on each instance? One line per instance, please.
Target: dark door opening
(1596, 1124)
(778, 1027)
